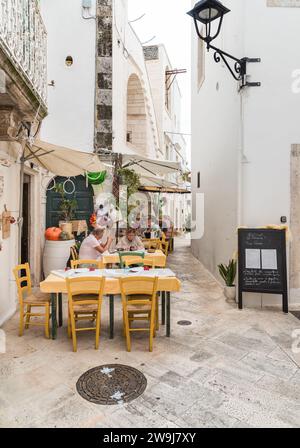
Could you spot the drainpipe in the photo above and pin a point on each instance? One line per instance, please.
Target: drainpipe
(240, 161)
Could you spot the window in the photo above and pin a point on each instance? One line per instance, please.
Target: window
(129, 137)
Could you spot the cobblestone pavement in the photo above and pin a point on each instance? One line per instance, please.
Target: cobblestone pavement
(229, 368)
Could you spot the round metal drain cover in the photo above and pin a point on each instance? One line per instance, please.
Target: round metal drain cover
(111, 384)
(184, 323)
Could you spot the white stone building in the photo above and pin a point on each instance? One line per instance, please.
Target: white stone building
(106, 96)
(23, 100)
(245, 153)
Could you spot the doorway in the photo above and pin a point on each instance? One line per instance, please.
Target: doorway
(25, 245)
(83, 194)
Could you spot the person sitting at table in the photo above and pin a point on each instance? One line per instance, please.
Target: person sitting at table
(95, 245)
(130, 242)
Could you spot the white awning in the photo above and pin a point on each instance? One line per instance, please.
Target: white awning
(150, 167)
(62, 161)
(158, 184)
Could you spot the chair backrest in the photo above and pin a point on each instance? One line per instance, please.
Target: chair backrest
(165, 247)
(74, 253)
(98, 264)
(23, 281)
(127, 255)
(85, 286)
(133, 260)
(152, 244)
(138, 286)
(149, 262)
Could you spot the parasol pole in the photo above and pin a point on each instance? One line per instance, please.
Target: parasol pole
(20, 222)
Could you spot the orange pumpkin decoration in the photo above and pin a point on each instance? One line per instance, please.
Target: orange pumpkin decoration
(53, 234)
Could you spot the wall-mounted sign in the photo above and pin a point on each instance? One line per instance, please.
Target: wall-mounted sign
(262, 263)
(6, 217)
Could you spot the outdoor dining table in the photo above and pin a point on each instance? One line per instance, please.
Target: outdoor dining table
(56, 286)
(158, 257)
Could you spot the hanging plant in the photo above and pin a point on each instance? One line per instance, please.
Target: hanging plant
(186, 177)
(96, 178)
(131, 179)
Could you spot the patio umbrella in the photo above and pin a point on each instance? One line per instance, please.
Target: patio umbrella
(150, 167)
(62, 161)
(59, 161)
(156, 184)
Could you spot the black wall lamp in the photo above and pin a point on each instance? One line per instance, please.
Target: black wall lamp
(206, 12)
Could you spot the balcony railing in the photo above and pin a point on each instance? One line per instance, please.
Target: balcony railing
(23, 38)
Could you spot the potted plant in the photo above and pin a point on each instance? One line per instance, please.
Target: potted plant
(67, 208)
(228, 274)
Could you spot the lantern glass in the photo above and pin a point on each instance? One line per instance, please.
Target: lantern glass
(210, 13)
(207, 11)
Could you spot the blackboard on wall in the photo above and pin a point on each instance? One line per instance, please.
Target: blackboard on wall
(263, 263)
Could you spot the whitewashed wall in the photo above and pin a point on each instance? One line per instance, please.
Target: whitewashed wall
(242, 142)
(9, 253)
(71, 102)
(128, 59)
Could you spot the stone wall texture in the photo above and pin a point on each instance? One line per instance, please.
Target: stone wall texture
(104, 74)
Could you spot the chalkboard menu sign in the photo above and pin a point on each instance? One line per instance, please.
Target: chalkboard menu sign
(262, 263)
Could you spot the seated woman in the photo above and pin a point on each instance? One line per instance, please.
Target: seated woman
(130, 242)
(95, 245)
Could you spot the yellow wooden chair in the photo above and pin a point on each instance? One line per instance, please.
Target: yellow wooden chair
(151, 264)
(77, 264)
(74, 253)
(135, 260)
(154, 244)
(28, 299)
(139, 299)
(165, 247)
(85, 297)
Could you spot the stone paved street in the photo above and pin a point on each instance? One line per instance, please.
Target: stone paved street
(228, 369)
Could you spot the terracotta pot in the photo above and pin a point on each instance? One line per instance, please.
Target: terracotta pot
(230, 293)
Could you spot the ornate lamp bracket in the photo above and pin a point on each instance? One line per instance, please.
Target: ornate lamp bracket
(239, 68)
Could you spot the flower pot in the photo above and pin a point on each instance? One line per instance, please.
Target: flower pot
(67, 227)
(56, 255)
(230, 293)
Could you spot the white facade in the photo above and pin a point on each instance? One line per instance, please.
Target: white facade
(139, 116)
(133, 110)
(167, 102)
(71, 101)
(242, 142)
(23, 98)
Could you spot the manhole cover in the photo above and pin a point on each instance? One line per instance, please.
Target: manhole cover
(111, 384)
(184, 323)
(296, 314)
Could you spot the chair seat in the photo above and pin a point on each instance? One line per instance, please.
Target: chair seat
(85, 297)
(139, 297)
(85, 308)
(37, 297)
(139, 308)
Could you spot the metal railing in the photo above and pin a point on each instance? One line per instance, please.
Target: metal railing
(23, 38)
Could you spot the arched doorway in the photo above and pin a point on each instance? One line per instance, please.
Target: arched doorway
(136, 115)
(84, 196)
